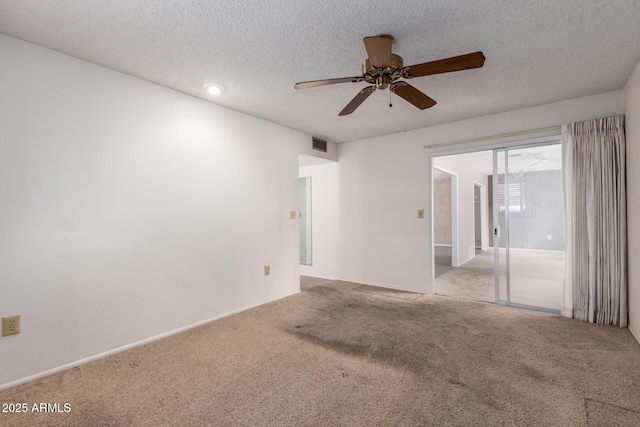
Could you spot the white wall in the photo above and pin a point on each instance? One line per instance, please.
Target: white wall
(382, 186)
(632, 128)
(311, 155)
(325, 228)
(130, 210)
(383, 181)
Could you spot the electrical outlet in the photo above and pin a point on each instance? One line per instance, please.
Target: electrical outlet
(292, 214)
(267, 270)
(421, 213)
(549, 237)
(11, 325)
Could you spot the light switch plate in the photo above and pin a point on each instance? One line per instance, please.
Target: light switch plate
(421, 213)
(267, 270)
(292, 214)
(10, 325)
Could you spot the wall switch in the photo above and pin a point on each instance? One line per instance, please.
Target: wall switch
(11, 325)
(549, 237)
(421, 213)
(292, 214)
(267, 270)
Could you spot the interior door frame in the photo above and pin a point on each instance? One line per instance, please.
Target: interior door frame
(483, 215)
(455, 256)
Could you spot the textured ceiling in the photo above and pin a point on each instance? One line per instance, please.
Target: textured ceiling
(537, 52)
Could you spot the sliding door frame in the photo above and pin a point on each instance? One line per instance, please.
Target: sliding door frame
(551, 137)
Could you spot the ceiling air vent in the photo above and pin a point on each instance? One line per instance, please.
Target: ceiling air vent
(319, 144)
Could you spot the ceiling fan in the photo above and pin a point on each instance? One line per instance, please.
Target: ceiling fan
(384, 69)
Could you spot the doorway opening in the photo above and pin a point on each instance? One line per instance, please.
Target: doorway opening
(304, 216)
(511, 226)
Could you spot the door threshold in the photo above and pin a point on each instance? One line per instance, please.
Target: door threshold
(504, 304)
(529, 307)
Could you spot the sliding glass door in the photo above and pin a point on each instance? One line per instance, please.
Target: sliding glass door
(522, 212)
(528, 226)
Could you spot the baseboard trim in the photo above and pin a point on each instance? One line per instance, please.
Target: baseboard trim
(384, 285)
(316, 276)
(364, 282)
(462, 263)
(98, 356)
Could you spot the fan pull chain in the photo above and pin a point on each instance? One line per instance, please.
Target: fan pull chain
(390, 104)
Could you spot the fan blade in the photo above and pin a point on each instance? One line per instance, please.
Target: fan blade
(379, 50)
(314, 83)
(455, 63)
(412, 95)
(359, 99)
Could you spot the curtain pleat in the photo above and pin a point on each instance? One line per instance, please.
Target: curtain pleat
(595, 201)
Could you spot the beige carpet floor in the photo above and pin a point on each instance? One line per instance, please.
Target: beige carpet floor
(343, 354)
(537, 279)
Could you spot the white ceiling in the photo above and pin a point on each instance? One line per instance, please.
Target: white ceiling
(538, 51)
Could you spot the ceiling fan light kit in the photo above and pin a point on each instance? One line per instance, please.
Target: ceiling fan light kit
(385, 70)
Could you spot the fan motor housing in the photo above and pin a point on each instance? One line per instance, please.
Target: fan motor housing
(396, 63)
(381, 77)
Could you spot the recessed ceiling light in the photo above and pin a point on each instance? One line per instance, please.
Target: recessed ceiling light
(213, 89)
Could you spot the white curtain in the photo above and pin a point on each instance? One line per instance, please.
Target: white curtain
(595, 198)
